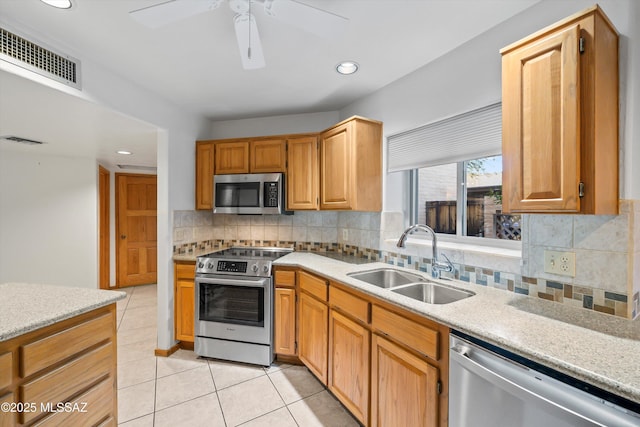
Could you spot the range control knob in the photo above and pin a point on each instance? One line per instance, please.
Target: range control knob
(265, 268)
(210, 265)
(254, 268)
(200, 264)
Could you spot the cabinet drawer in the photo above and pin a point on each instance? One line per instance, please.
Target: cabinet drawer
(349, 304)
(313, 285)
(87, 409)
(414, 335)
(67, 380)
(6, 370)
(7, 418)
(285, 278)
(186, 271)
(52, 349)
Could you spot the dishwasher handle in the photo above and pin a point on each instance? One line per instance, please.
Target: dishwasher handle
(536, 388)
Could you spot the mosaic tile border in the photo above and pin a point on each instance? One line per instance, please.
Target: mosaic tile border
(577, 296)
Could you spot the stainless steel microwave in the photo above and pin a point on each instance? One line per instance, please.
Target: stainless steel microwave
(253, 193)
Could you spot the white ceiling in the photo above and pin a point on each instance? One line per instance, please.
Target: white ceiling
(194, 63)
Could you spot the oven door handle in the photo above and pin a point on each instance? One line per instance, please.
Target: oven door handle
(256, 283)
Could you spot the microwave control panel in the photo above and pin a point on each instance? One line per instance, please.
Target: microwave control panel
(271, 194)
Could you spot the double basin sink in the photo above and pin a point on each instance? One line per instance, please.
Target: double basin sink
(411, 285)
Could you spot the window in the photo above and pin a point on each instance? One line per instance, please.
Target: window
(456, 175)
(476, 186)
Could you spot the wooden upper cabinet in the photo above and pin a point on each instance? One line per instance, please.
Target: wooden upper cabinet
(560, 118)
(232, 157)
(267, 156)
(204, 174)
(302, 173)
(351, 166)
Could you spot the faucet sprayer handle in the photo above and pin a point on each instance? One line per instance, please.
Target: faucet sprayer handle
(447, 265)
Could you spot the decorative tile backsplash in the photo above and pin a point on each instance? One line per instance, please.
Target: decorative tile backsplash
(607, 250)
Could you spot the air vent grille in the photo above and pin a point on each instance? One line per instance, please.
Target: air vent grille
(29, 55)
(139, 168)
(21, 140)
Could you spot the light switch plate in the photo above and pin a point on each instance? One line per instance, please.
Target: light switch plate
(345, 234)
(561, 263)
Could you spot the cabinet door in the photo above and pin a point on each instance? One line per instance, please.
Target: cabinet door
(232, 157)
(285, 321)
(541, 125)
(336, 187)
(268, 156)
(404, 387)
(313, 335)
(349, 364)
(302, 174)
(185, 315)
(204, 175)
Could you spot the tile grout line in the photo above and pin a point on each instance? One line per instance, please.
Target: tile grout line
(224, 419)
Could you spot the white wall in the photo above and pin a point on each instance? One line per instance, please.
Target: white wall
(177, 131)
(48, 207)
(470, 77)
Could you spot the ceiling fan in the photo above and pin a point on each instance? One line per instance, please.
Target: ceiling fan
(303, 16)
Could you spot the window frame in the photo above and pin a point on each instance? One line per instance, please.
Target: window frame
(461, 200)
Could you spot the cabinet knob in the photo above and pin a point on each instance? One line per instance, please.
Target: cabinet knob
(123, 236)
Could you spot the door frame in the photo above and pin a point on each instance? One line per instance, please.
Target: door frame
(104, 227)
(118, 225)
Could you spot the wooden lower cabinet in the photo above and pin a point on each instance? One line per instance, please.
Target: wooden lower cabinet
(184, 278)
(284, 322)
(404, 387)
(313, 335)
(349, 344)
(386, 365)
(63, 374)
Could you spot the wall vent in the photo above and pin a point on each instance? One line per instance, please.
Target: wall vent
(41, 60)
(139, 168)
(21, 140)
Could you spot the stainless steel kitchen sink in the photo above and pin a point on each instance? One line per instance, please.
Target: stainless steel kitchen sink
(432, 293)
(386, 277)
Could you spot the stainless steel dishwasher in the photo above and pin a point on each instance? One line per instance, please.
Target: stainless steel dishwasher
(491, 387)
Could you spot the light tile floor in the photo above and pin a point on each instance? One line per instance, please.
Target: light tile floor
(184, 390)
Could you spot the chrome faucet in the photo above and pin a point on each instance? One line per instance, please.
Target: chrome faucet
(437, 266)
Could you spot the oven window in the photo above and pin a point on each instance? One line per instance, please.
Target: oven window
(245, 194)
(240, 305)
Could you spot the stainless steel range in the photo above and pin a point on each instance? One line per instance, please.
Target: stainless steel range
(234, 304)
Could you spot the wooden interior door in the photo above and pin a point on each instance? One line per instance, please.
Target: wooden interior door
(136, 229)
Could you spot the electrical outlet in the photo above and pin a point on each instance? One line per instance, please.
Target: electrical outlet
(345, 234)
(562, 263)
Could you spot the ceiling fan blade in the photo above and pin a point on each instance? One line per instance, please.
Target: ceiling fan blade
(171, 11)
(307, 18)
(249, 41)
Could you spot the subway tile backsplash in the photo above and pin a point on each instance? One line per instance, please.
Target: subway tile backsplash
(607, 250)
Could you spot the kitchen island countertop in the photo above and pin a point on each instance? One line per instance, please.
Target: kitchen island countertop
(25, 307)
(599, 349)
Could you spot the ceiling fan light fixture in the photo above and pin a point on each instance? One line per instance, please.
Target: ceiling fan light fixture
(60, 4)
(347, 67)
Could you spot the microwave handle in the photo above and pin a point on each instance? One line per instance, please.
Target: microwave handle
(257, 283)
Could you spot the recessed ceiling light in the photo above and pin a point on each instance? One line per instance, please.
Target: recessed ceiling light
(123, 152)
(60, 4)
(347, 67)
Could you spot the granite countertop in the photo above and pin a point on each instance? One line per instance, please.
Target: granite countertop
(25, 307)
(597, 348)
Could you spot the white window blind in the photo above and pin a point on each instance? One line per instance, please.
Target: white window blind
(471, 135)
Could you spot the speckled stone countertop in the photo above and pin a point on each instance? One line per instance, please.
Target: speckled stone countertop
(25, 307)
(599, 349)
